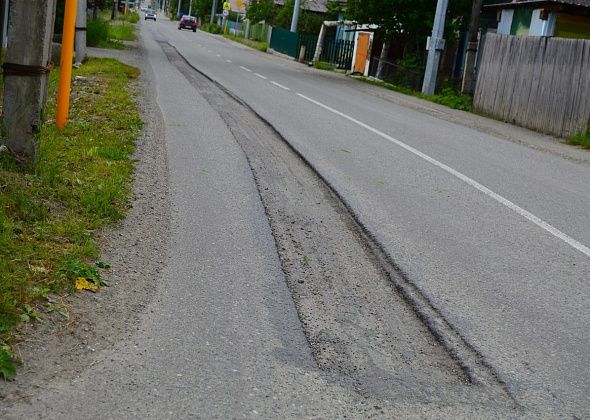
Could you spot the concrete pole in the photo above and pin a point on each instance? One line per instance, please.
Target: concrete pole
(30, 31)
(114, 10)
(213, 11)
(179, 7)
(3, 22)
(190, 7)
(435, 49)
(468, 69)
(382, 58)
(80, 42)
(318, 48)
(295, 18)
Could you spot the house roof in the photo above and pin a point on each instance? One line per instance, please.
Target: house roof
(523, 3)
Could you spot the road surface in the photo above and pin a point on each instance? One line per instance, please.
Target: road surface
(335, 252)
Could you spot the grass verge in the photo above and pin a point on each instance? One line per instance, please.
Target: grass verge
(50, 211)
(581, 139)
(447, 97)
(122, 31)
(258, 45)
(323, 66)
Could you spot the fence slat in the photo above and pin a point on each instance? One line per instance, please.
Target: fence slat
(540, 83)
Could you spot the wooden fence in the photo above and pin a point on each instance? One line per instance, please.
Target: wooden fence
(539, 83)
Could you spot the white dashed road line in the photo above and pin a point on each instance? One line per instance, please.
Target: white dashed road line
(279, 85)
(228, 61)
(504, 201)
(246, 69)
(261, 76)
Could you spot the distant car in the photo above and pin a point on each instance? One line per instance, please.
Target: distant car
(150, 14)
(188, 22)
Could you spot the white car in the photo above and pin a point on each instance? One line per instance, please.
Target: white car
(150, 14)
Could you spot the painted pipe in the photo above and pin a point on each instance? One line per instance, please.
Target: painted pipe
(65, 67)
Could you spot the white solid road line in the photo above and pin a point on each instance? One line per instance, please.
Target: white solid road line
(261, 76)
(246, 69)
(524, 213)
(279, 85)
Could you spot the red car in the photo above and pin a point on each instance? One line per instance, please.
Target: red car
(188, 22)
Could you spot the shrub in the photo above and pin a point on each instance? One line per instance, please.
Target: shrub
(97, 32)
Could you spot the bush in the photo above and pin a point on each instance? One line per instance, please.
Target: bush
(97, 32)
(212, 28)
(453, 99)
(133, 17)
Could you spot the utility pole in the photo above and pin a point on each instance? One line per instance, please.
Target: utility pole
(190, 7)
(179, 7)
(295, 18)
(26, 71)
(435, 48)
(80, 40)
(3, 22)
(114, 11)
(472, 43)
(213, 11)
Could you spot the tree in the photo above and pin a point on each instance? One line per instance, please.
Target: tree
(409, 20)
(259, 10)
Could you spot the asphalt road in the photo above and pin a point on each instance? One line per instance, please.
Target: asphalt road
(494, 233)
(488, 236)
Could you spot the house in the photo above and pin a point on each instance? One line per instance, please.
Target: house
(556, 18)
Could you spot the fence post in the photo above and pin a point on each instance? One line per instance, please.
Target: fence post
(30, 30)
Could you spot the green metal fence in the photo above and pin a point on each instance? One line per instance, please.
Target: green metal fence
(336, 52)
(285, 42)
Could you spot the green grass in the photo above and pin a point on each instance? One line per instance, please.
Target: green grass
(447, 96)
(122, 31)
(582, 140)
(50, 210)
(258, 45)
(132, 17)
(323, 66)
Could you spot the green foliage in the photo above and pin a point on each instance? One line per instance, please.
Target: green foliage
(7, 369)
(122, 31)
(50, 210)
(323, 66)
(260, 10)
(581, 139)
(453, 99)
(212, 28)
(409, 20)
(258, 45)
(447, 96)
(97, 32)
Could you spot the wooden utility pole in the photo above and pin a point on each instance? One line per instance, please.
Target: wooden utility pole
(80, 40)
(26, 71)
(472, 43)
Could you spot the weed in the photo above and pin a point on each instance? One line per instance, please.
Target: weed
(122, 31)
(212, 28)
(7, 369)
(323, 66)
(447, 96)
(258, 45)
(581, 139)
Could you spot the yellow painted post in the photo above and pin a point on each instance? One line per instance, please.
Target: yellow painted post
(65, 67)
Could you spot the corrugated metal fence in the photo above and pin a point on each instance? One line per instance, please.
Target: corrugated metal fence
(539, 83)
